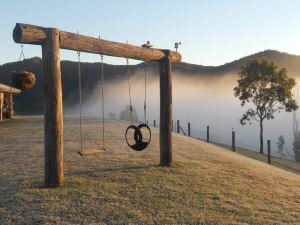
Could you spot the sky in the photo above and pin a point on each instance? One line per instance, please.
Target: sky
(212, 32)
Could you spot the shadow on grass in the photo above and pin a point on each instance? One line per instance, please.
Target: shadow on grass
(115, 169)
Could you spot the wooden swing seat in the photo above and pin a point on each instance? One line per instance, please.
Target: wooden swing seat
(91, 152)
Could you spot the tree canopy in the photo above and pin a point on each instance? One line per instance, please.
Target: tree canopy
(267, 88)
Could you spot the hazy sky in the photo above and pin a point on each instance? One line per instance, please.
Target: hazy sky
(212, 32)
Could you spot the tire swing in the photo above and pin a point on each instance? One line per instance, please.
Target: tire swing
(140, 143)
(23, 79)
(92, 151)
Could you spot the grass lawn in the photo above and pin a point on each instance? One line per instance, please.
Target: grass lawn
(204, 185)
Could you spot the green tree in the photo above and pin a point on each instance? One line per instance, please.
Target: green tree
(267, 89)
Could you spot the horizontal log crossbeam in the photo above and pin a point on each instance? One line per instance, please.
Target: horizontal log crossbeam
(30, 34)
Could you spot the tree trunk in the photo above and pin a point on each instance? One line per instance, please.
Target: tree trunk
(261, 150)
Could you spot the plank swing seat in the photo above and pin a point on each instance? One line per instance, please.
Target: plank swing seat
(91, 152)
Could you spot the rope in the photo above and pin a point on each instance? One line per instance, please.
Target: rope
(102, 97)
(129, 90)
(145, 99)
(22, 53)
(22, 56)
(79, 91)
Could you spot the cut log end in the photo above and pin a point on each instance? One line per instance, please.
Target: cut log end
(17, 33)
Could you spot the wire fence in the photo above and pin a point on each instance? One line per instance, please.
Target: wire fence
(227, 138)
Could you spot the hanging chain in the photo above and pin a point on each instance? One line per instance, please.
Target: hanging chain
(102, 97)
(129, 91)
(22, 56)
(80, 106)
(22, 53)
(145, 98)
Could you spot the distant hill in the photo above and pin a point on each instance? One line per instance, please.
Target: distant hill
(291, 62)
(31, 101)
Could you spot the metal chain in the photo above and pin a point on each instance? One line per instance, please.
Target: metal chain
(102, 97)
(22, 56)
(79, 91)
(145, 99)
(129, 90)
(22, 53)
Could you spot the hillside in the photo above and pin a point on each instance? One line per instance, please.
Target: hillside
(205, 184)
(31, 101)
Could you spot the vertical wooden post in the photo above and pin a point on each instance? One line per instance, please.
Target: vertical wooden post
(10, 105)
(178, 126)
(165, 110)
(269, 151)
(233, 141)
(154, 123)
(1, 105)
(189, 129)
(53, 113)
(207, 134)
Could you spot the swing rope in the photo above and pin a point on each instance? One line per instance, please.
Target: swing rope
(22, 57)
(129, 91)
(22, 53)
(102, 98)
(145, 98)
(80, 102)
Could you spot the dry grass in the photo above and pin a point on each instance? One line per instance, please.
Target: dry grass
(204, 185)
(285, 164)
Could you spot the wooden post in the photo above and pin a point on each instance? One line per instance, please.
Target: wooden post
(53, 113)
(207, 134)
(178, 126)
(165, 110)
(189, 129)
(172, 125)
(233, 141)
(269, 151)
(1, 105)
(154, 123)
(10, 105)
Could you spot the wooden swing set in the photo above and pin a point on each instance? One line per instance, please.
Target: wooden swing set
(52, 40)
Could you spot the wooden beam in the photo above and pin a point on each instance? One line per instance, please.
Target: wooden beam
(5, 88)
(30, 34)
(53, 114)
(165, 110)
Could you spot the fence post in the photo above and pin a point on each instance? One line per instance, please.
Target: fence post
(154, 123)
(178, 127)
(172, 126)
(189, 129)
(233, 140)
(207, 134)
(269, 151)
